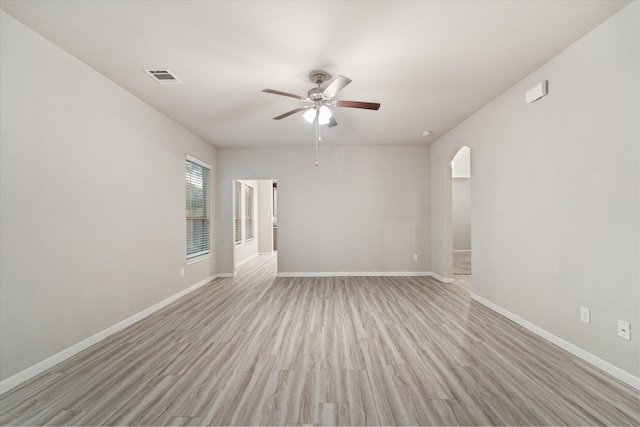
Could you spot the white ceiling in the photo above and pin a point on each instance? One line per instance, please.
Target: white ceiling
(430, 64)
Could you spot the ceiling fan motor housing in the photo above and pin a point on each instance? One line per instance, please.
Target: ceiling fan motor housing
(315, 94)
(318, 76)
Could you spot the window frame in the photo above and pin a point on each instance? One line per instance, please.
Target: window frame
(238, 187)
(206, 206)
(249, 212)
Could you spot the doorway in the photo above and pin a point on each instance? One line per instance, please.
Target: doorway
(461, 212)
(254, 219)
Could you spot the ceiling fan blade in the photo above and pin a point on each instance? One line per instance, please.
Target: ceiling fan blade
(358, 104)
(332, 122)
(288, 113)
(277, 92)
(336, 86)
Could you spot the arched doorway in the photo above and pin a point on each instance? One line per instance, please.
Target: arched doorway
(461, 212)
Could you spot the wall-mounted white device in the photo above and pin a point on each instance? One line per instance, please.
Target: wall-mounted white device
(624, 330)
(536, 92)
(585, 315)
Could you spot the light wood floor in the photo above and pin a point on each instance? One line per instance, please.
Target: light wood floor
(461, 262)
(260, 350)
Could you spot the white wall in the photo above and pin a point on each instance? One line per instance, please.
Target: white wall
(92, 201)
(365, 209)
(461, 213)
(461, 163)
(265, 216)
(556, 194)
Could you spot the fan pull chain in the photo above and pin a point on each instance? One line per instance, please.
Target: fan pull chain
(317, 134)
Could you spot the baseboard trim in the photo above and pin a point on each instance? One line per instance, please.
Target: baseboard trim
(365, 274)
(462, 250)
(354, 273)
(247, 259)
(601, 364)
(27, 374)
(441, 279)
(226, 275)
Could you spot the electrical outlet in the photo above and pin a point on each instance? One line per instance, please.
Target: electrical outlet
(415, 257)
(182, 271)
(585, 315)
(624, 330)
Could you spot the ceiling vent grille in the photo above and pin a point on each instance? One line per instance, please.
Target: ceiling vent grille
(163, 76)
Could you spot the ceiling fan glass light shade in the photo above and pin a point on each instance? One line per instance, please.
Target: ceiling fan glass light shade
(310, 115)
(324, 115)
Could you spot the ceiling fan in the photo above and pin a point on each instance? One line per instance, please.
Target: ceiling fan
(320, 99)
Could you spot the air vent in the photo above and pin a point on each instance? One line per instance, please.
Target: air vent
(163, 76)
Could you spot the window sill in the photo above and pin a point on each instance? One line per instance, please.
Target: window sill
(197, 259)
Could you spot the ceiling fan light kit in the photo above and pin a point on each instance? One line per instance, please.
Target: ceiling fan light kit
(320, 100)
(324, 115)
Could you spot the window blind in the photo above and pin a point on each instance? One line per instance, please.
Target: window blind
(198, 208)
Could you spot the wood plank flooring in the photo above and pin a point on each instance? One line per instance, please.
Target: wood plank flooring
(461, 262)
(261, 350)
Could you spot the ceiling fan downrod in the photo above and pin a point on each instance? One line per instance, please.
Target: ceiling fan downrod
(315, 94)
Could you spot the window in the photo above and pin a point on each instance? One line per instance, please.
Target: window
(237, 210)
(248, 215)
(198, 182)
